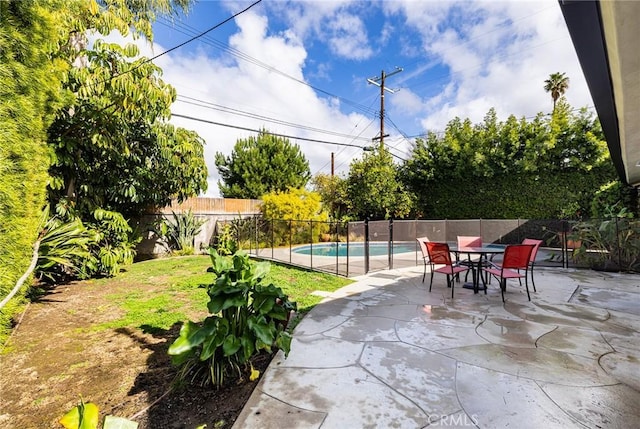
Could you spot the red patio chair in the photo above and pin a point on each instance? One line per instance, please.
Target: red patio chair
(439, 254)
(532, 259)
(516, 258)
(422, 241)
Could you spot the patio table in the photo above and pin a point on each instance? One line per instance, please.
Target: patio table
(483, 252)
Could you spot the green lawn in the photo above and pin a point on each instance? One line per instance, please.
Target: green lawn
(154, 295)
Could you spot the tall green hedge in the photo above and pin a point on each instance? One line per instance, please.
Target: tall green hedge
(29, 89)
(554, 166)
(524, 196)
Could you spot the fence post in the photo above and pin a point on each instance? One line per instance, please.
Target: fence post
(366, 245)
(290, 240)
(390, 244)
(564, 244)
(337, 249)
(255, 224)
(311, 242)
(348, 223)
(618, 244)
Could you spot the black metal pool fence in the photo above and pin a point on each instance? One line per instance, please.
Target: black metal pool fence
(356, 248)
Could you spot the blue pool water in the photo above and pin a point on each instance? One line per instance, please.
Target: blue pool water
(355, 249)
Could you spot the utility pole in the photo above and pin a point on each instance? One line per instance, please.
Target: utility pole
(331, 164)
(379, 81)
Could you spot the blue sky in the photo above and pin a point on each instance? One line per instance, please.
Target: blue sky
(300, 68)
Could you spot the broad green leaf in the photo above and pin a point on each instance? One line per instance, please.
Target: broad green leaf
(248, 347)
(264, 331)
(261, 270)
(263, 303)
(224, 302)
(231, 345)
(112, 422)
(283, 342)
(191, 335)
(83, 416)
(214, 339)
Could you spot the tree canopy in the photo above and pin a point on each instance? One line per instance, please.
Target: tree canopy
(374, 188)
(548, 167)
(333, 192)
(112, 148)
(262, 164)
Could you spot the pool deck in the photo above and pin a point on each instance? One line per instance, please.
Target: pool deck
(385, 352)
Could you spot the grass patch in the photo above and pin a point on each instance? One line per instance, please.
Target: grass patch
(156, 294)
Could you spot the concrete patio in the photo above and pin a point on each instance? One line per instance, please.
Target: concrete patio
(384, 352)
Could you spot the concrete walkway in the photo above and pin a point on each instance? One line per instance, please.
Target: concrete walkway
(385, 353)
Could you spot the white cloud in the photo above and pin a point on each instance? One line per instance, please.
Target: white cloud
(242, 85)
(499, 58)
(349, 38)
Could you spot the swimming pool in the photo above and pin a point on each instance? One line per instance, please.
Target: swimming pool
(354, 249)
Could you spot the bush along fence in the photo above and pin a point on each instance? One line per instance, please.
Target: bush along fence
(356, 248)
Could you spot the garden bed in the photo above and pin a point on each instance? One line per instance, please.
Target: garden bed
(106, 340)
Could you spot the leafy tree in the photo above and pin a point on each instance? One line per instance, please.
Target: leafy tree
(262, 164)
(374, 188)
(113, 153)
(557, 85)
(333, 192)
(110, 150)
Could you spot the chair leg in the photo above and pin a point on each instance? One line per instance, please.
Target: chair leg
(503, 286)
(431, 282)
(424, 273)
(532, 281)
(526, 284)
(450, 282)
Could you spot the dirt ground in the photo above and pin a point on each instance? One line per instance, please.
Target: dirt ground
(54, 356)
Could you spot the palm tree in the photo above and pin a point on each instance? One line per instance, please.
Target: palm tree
(557, 85)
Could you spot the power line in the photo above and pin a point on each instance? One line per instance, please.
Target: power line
(238, 112)
(243, 56)
(148, 60)
(264, 131)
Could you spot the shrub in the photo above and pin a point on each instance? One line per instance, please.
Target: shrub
(64, 250)
(113, 243)
(246, 318)
(225, 241)
(179, 234)
(292, 212)
(612, 243)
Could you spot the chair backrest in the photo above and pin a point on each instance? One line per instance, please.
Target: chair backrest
(516, 256)
(422, 241)
(439, 253)
(536, 246)
(466, 241)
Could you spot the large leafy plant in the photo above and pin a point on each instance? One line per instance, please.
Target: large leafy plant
(225, 241)
(246, 318)
(64, 250)
(180, 233)
(611, 243)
